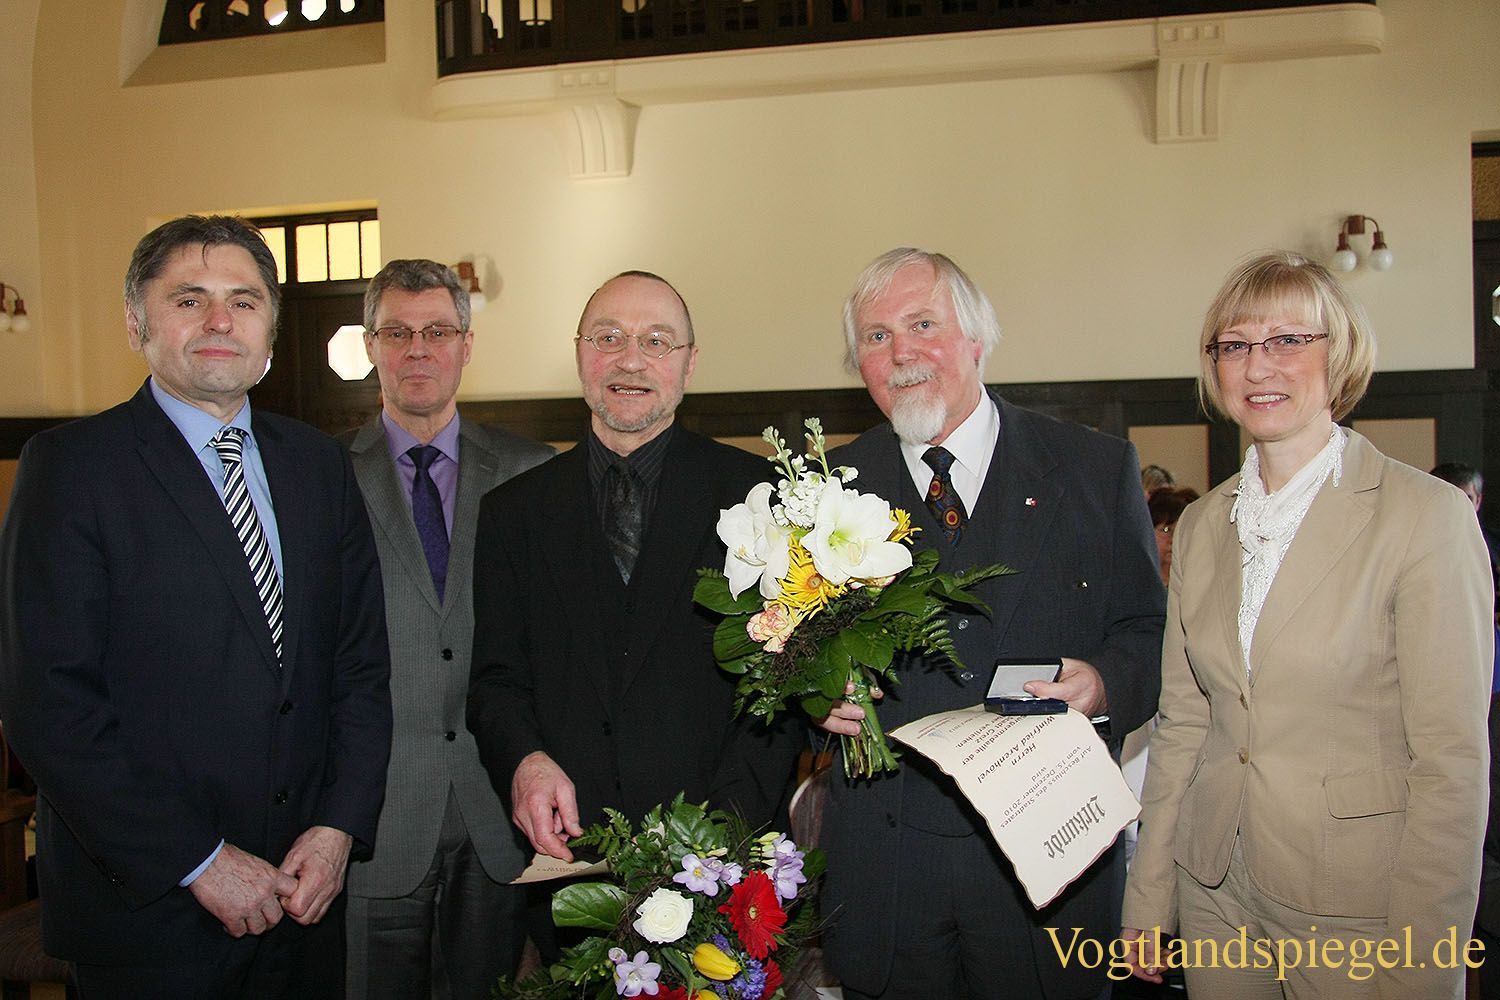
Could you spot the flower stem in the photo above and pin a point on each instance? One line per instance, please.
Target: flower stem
(867, 754)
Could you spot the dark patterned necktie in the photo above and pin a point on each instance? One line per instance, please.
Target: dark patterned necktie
(230, 444)
(942, 499)
(427, 512)
(622, 517)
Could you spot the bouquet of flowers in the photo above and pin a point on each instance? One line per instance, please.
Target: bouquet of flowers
(697, 908)
(820, 589)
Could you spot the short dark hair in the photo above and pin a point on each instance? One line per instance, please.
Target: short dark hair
(650, 277)
(1167, 503)
(416, 274)
(1460, 475)
(157, 247)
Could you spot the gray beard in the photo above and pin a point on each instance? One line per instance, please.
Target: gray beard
(918, 420)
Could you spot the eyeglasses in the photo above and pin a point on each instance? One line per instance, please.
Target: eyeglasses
(1283, 345)
(433, 333)
(653, 345)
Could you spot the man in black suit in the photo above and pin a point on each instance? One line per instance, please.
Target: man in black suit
(922, 903)
(593, 681)
(193, 654)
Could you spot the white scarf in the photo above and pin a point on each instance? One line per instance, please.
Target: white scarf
(1267, 523)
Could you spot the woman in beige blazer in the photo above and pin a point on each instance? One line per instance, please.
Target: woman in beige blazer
(1317, 785)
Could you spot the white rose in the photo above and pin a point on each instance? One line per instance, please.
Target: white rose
(664, 916)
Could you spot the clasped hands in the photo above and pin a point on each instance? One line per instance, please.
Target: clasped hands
(1078, 684)
(248, 894)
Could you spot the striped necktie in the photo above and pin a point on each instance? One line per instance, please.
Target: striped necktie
(230, 444)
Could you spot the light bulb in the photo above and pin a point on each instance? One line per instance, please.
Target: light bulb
(1343, 260)
(476, 302)
(4, 320)
(20, 323)
(1382, 259)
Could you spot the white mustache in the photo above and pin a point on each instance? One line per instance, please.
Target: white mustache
(911, 375)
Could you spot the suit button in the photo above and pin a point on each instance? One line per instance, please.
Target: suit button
(1244, 703)
(281, 798)
(890, 821)
(450, 736)
(447, 654)
(1244, 756)
(967, 675)
(963, 623)
(286, 707)
(606, 729)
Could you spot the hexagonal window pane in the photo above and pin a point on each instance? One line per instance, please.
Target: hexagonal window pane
(1495, 305)
(346, 353)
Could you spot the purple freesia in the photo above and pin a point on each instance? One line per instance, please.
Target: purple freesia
(786, 867)
(727, 871)
(698, 875)
(636, 976)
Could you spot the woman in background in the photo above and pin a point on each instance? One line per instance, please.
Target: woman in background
(1166, 505)
(1318, 774)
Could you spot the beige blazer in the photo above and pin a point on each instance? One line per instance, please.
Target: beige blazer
(1352, 762)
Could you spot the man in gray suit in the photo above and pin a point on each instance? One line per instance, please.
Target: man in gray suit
(430, 914)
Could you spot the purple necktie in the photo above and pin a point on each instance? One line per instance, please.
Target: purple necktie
(427, 512)
(942, 499)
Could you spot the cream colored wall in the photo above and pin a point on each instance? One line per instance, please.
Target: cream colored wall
(1099, 247)
(21, 381)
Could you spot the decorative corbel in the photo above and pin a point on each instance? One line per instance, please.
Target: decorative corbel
(1190, 54)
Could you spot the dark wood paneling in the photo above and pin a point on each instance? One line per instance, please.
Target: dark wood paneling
(1456, 400)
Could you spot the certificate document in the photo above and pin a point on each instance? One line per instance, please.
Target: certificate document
(1046, 785)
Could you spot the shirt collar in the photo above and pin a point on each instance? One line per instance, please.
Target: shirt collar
(972, 442)
(195, 425)
(400, 441)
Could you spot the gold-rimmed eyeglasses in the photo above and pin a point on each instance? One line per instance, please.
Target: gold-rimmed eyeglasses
(653, 345)
(1283, 345)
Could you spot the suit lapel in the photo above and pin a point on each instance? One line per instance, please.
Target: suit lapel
(389, 507)
(478, 473)
(284, 479)
(1016, 508)
(671, 546)
(1336, 518)
(1222, 542)
(565, 514)
(172, 462)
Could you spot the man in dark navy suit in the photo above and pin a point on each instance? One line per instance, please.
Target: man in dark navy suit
(193, 657)
(922, 903)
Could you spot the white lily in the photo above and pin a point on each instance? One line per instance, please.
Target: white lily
(757, 545)
(850, 539)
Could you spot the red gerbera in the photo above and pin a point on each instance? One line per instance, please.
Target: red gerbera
(773, 979)
(673, 993)
(755, 914)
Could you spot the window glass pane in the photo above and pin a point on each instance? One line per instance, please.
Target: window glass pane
(276, 240)
(312, 253)
(313, 9)
(343, 250)
(275, 11)
(369, 248)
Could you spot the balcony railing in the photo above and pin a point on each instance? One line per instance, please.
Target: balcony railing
(201, 20)
(477, 35)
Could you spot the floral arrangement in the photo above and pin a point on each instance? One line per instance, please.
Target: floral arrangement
(837, 593)
(698, 908)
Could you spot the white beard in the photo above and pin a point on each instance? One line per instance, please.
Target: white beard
(917, 419)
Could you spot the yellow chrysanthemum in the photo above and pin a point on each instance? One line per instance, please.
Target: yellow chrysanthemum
(904, 529)
(803, 589)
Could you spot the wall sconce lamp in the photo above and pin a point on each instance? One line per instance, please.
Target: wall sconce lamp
(1344, 259)
(13, 317)
(468, 276)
